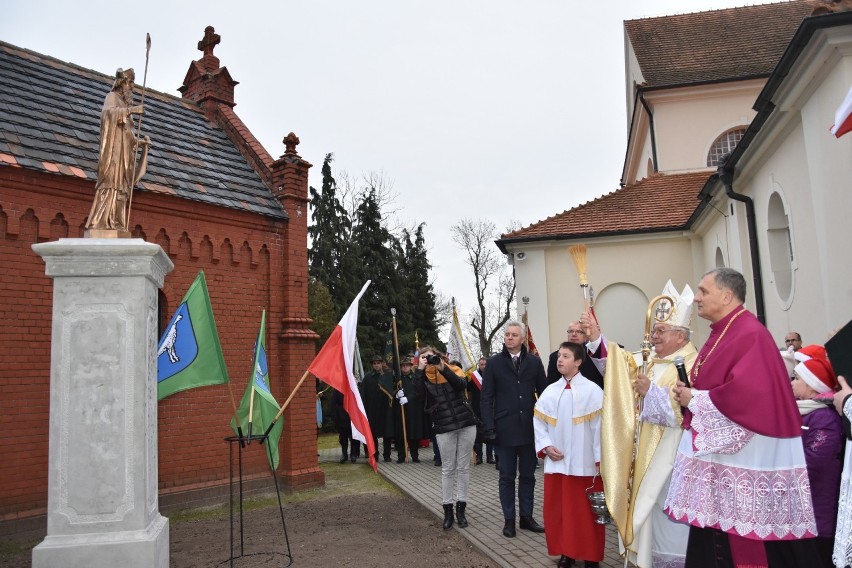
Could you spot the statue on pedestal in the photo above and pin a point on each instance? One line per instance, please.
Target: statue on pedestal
(118, 171)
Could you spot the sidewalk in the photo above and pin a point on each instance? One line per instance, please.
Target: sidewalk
(422, 481)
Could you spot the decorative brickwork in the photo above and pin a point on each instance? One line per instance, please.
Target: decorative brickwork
(247, 231)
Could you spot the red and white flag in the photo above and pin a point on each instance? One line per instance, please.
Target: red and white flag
(843, 117)
(477, 378)
(333, 365)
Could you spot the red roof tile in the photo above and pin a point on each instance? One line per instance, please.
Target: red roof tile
(710, 46)
(658, 203)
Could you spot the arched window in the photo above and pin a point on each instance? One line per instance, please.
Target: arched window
(723, 145)
(781, 258)
(720, 259)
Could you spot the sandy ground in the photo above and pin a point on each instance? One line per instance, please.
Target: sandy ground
(348, 523)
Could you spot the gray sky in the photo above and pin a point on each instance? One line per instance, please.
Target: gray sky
(507, 110)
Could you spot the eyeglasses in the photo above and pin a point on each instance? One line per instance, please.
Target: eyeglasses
(791, 340)
(576, 332)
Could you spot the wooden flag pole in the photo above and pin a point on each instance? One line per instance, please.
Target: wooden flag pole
(399, 386)
(251, 411)
(286, 403)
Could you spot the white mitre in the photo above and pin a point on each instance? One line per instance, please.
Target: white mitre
(682, 309)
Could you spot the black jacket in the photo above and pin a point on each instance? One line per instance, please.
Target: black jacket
(587, 368)
(445, 402)
(508, 397)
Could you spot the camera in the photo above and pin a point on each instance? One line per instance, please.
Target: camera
(433, 359)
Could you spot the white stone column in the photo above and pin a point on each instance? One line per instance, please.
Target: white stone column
(102, 505)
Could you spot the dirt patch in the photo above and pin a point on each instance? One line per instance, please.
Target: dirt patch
(358, 520)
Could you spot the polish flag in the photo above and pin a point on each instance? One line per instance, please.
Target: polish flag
(843, 117)
(477, 379)
(333, 365)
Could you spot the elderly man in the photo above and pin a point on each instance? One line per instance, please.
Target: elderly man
(739, 478)
(653, 538)
(585, 331)
(511, 381)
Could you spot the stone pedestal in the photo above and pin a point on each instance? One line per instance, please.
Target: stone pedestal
(102, 507)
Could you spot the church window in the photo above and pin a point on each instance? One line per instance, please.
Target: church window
(723, 145)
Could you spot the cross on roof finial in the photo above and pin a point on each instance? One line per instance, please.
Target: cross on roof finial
(211, 40)
(291, 142)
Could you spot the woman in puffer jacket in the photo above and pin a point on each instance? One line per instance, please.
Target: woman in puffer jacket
(454, 425)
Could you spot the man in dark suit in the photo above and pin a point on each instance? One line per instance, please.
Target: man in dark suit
(511, 380)
(595, 349)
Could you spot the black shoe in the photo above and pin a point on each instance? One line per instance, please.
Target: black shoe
(448, 517)
(438, 462)
(400, 460)
(343, 459)
(387, 459)
(509, 528)
(353, 459)
(565, 562)
(529, 524)
(490, 460)
(415, 459)
(478, 460)
(590, 564)
(461, 519)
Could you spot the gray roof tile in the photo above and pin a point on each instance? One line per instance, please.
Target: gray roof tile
(50, 113)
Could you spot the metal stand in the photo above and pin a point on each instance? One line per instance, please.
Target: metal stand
(240, 444)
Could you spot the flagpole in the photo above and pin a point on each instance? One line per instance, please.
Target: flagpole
(399, 386)
(286, 403)
(236, 415)
(251, 412)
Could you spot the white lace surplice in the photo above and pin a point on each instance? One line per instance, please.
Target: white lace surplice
(730, 478)
(843, 535)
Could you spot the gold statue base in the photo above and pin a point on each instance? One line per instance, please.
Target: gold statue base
(106, 234)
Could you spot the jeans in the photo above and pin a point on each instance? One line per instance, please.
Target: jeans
(455, 462)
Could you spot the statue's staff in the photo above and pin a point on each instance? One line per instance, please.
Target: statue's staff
(138, 127)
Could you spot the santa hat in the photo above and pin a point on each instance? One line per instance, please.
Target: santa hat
(818, 375)
(810, 352)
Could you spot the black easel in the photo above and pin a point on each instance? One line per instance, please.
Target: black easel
(241, 442)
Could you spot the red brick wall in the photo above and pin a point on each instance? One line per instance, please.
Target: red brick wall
(245, 258)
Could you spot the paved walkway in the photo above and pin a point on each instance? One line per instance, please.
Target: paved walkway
(422, 481)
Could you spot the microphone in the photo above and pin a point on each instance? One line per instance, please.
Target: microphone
(681, 370)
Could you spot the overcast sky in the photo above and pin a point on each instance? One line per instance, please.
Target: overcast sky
(506, 110)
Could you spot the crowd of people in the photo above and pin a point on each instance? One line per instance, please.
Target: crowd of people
(718, 456)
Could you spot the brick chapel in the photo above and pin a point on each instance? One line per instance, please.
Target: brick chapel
(215, 200)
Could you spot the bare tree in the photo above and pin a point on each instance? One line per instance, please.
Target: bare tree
(495, 286)
(352, 191)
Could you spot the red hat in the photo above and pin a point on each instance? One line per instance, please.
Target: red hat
(818, 375)
(810, 352)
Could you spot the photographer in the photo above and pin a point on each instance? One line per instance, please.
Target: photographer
(454, 424)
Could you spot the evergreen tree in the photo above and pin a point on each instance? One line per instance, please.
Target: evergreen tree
(377, 255)
(321, 309)
(418, 295)
(330, 234)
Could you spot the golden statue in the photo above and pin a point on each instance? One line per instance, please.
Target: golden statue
(118, 171)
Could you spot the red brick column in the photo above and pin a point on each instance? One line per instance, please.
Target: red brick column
(291, 334)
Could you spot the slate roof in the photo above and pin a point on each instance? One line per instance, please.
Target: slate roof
(662, 202)
(709, 46)
(50, 122)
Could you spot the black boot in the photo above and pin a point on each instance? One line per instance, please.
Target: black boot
(509, 528)
(448, 517)
(460, 518)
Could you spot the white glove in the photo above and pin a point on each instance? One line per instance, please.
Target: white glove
(401, 396)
